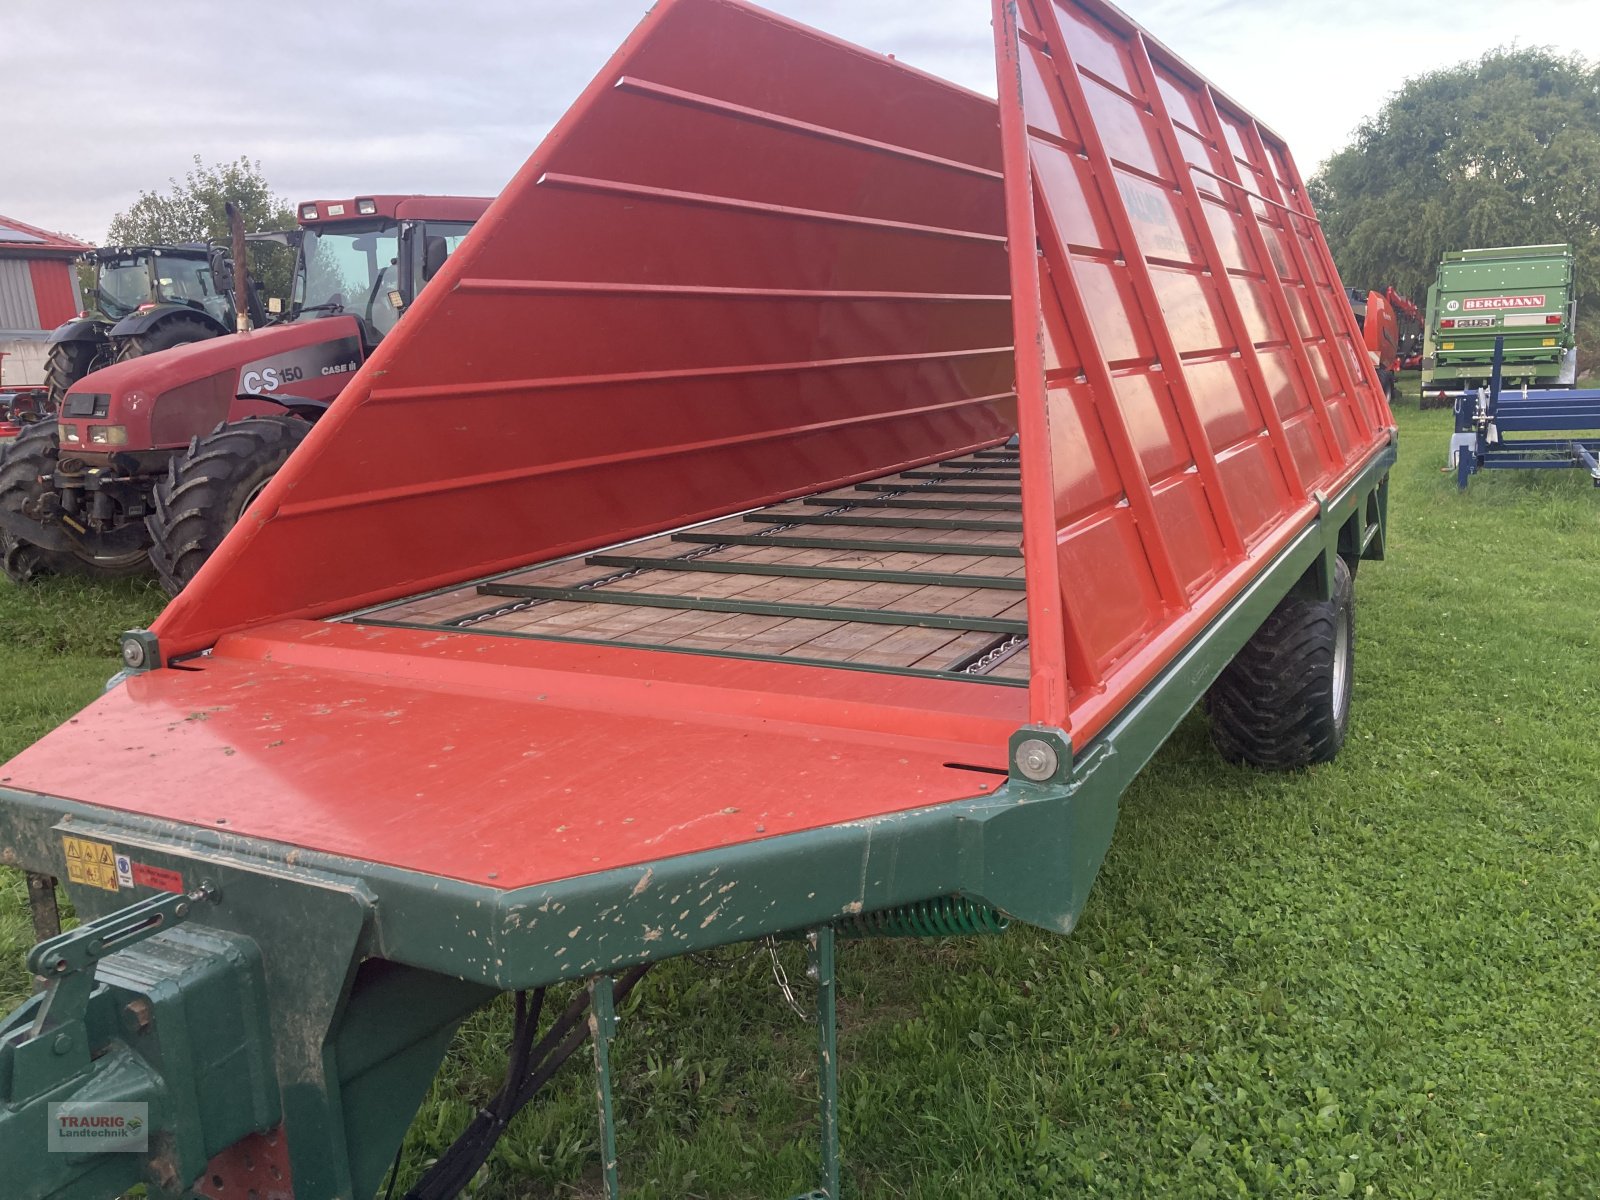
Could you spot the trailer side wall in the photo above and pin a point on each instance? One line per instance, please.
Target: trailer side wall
(747, 264)
(1200, 372)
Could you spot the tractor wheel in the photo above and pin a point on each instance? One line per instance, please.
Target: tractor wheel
(1284, 701)
(24, 466)
(209, 486)
(66, 363)
(174, 331)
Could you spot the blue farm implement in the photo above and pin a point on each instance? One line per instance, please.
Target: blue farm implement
(1499, 429)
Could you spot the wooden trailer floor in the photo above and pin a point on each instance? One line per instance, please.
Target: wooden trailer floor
(916, 572)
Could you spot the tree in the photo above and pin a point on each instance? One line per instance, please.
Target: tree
(194, 211)
(1504, 151)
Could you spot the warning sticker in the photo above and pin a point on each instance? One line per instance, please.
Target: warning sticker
(91, 863)
(159, 878)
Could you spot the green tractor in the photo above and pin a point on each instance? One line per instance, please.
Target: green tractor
(145, 298)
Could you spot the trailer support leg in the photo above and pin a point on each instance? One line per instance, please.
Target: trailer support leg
(602, 1025)
(42, 904)
(821, 942)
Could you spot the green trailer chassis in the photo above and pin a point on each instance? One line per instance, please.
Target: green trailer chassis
(323, 991)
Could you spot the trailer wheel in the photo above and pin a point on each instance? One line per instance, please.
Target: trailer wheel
(24, 465)
(174, 331)
(1284, 701)
(209, 486)
(65, 363)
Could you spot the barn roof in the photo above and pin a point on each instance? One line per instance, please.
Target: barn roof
(18, 237)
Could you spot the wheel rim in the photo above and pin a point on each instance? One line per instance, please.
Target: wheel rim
(117, 562)
(250, 498)
(1341, 663)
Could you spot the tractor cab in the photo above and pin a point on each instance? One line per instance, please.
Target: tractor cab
(133, 281)
(368, 258)
(145, 298)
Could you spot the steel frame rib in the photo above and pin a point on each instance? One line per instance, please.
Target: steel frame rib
(733, 370)
(660, 91)
(948, 476)
(772, 518)
(704, 651)
(1314, 300)
(1050, 616)
(815, 612)
(971, 489)
(1272, 284)
(1081, 332)
(1145, 67)
(1139, 273)
(1237, 186)
(759, 208)
(971, 549)
(747, 567)
(561, 287)
(1324, 255)
(907, 501)
(493, 478)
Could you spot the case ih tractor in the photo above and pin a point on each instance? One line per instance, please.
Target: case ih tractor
(152, 460)
(146, 298)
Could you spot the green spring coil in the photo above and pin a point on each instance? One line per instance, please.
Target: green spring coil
(948, 916)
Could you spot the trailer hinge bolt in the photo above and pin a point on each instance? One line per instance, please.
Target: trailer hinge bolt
(132, 654)
(1037, 759)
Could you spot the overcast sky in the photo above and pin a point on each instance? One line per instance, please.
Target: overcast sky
(103, 100)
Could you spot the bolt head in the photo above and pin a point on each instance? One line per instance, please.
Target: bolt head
(62, 1044)
(1037, 759)
(132, 653)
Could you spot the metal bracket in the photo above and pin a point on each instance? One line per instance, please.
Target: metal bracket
(68, 960)
(140, 652)
(55, 1046)
(1040, 754)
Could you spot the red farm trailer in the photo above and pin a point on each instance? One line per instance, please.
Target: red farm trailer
(882, 474)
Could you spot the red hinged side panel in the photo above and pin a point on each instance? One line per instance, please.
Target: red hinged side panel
(752, 261)
(1202, 371)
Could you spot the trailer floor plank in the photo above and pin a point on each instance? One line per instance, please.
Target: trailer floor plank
(776, 586)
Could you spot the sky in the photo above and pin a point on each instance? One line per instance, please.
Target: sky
(407, 96)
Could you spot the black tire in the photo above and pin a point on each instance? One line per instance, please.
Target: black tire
(68, 362)
(1386, 381)
(24, 465)
(1283, 703)
(208, 487)
(174, 331)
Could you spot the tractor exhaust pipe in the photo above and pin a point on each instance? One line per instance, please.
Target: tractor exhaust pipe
(241, 270)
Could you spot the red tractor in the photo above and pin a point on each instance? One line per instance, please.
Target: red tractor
(153, 460)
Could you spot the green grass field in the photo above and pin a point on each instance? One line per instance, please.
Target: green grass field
(1376, 979)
